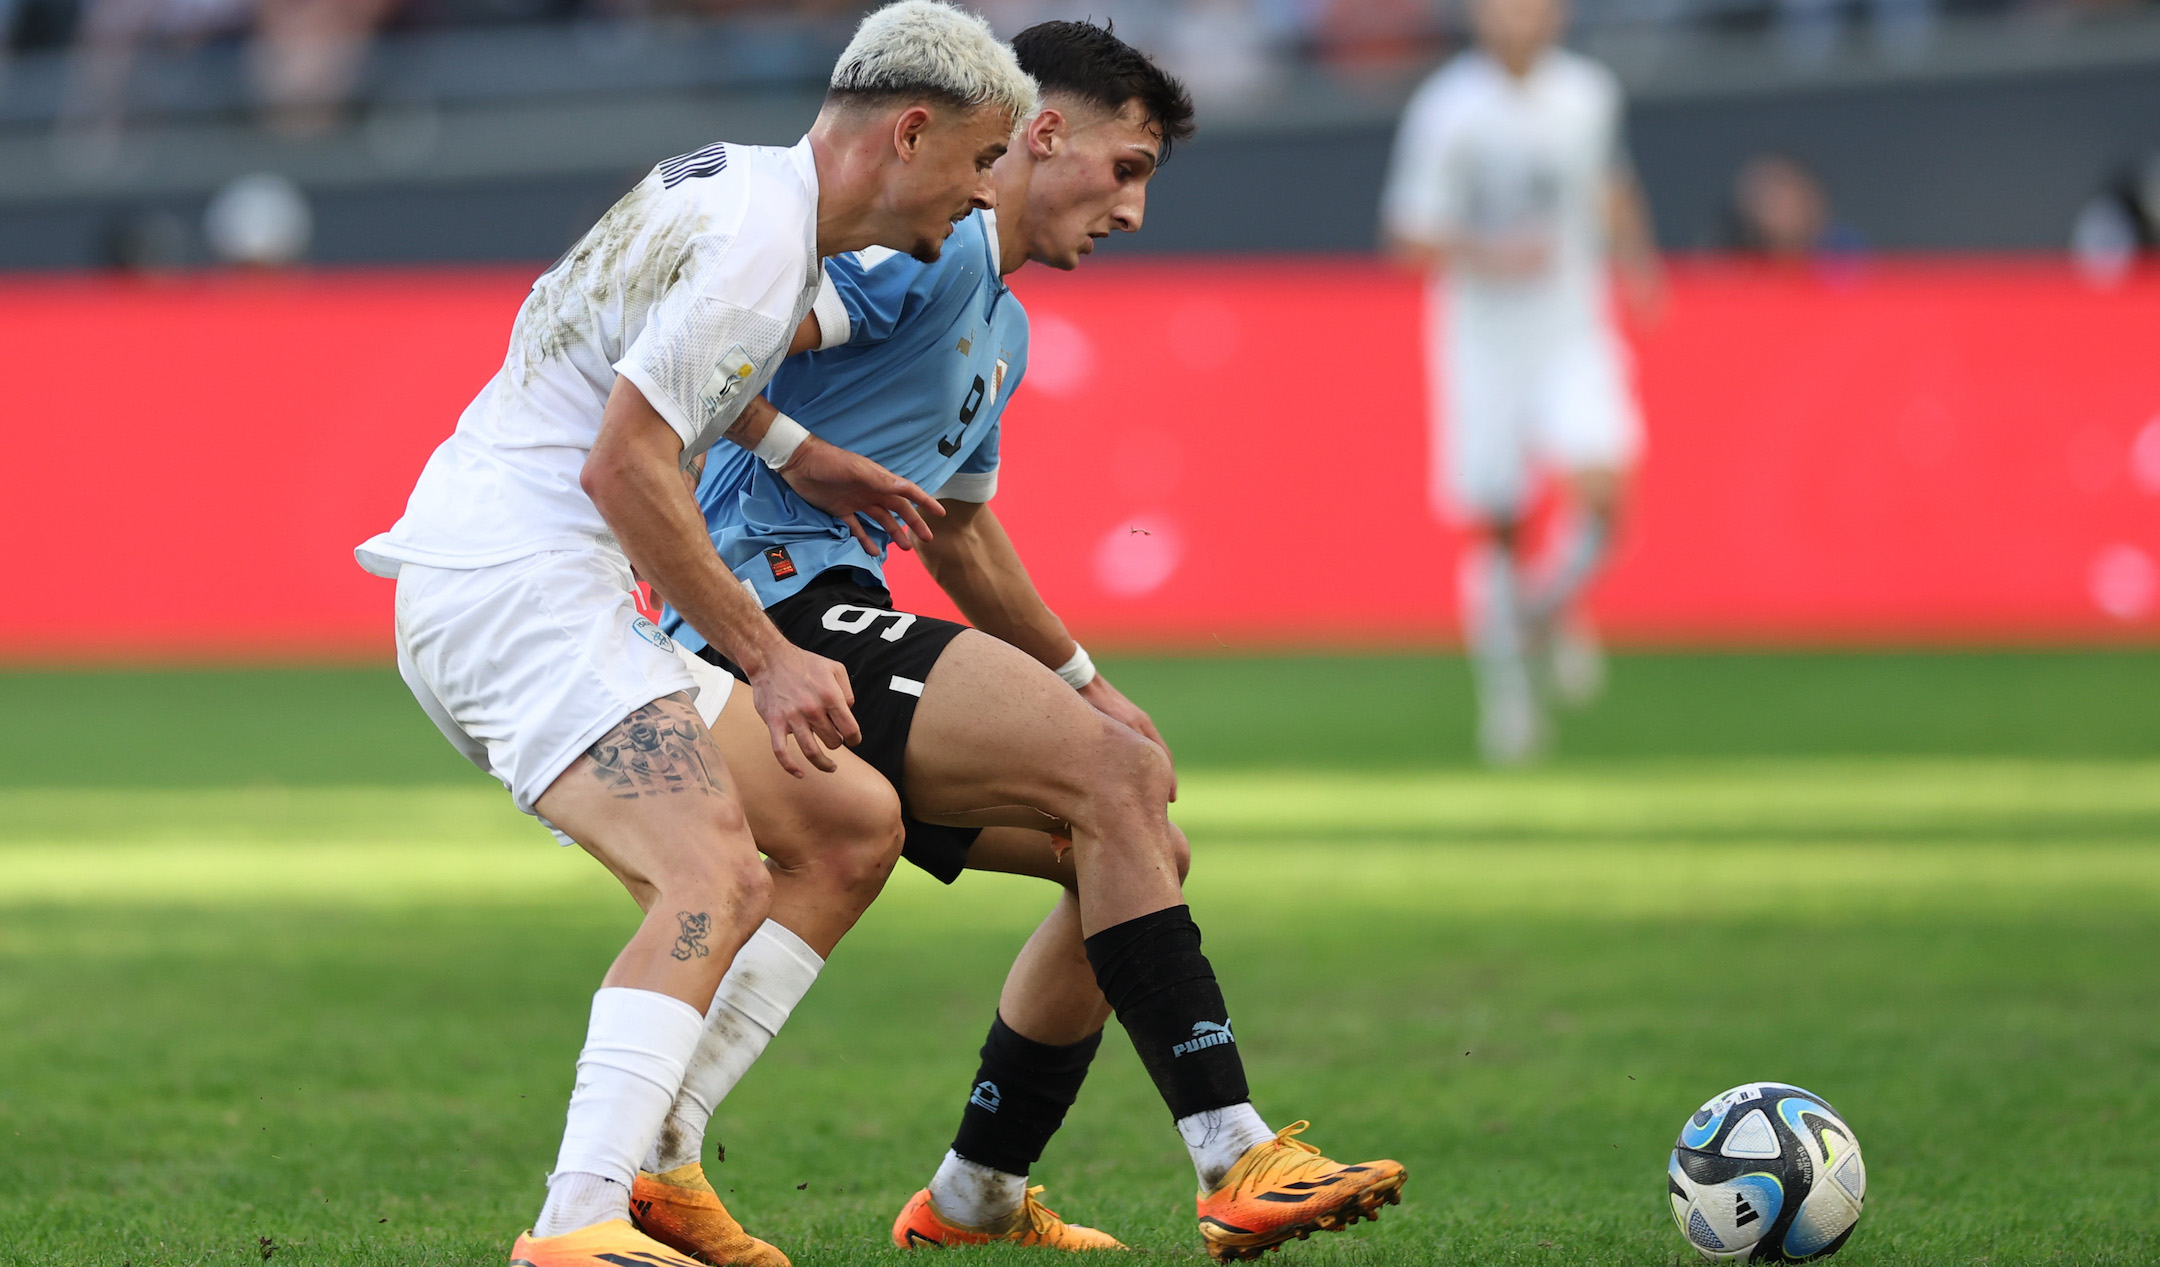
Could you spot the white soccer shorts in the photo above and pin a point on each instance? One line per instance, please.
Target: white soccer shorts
(524, 665)
(1501, 413)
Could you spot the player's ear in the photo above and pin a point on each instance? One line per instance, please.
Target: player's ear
(909, 127)
(1045, 133)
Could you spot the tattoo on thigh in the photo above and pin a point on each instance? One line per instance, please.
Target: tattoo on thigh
(690, 944)
(656, 749)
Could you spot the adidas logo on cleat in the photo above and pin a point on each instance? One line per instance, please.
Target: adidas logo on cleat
(1206, 1034)
(641, 1258)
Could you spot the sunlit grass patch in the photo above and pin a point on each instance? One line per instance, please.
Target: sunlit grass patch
(344, 1018)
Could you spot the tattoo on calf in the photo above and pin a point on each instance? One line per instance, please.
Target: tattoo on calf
(696, 927)
(656, 749)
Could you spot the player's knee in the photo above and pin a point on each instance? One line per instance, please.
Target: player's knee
(850, 841)
(864, 845)
(1151, 776)
(720, 819)
(748, 883)
(715, 876)
(1123, 776)
(1504, 533)
(1180, 852)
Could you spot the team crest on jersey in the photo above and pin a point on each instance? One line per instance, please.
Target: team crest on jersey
(650, 632)
(728, 378)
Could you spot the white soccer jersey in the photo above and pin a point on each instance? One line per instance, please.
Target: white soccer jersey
(690, 287)
(1481, 154)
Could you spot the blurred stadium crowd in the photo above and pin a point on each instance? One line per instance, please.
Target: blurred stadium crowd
(88, 65)
(154, 133)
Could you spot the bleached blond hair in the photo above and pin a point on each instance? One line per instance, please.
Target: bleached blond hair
(924, 48)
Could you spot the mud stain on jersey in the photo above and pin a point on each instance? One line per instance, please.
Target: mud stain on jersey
(566, 305)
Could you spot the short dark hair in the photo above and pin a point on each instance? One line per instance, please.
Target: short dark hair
(1087, 61)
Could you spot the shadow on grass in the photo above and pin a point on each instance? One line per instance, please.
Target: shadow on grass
(230, 727)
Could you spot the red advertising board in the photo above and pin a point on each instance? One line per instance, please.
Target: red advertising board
(1228, 453)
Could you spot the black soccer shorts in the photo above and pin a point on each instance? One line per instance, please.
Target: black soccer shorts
(888, 655)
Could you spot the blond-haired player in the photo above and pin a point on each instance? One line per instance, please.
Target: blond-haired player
(516, 629)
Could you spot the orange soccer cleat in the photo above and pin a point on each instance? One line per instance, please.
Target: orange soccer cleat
(1033, 1224)
(680, 1208)
(1285, 1190)
(611, 1244)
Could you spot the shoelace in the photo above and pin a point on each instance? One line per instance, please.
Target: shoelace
(1284, 1136)
(1042, 1220)
(1280, 1166)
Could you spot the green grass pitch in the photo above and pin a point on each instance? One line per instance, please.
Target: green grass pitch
(276, 973)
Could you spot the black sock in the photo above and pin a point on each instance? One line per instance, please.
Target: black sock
(1165, 995)
(1022, 1090)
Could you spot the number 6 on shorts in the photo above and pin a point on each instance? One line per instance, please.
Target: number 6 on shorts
(848, 618)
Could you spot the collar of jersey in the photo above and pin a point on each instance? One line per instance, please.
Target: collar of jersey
(991, 248)
(805, 162)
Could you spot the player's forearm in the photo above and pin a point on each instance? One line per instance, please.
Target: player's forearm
(1503, 258)
(1627, 216)
(975, 563)
(1420, 254)
(634, 477)
(755, 422)
(749, 428)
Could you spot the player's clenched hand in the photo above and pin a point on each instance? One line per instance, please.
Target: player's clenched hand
(806, 696)
(849, 485)
(1111, 702)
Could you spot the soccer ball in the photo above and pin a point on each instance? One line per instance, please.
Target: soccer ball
(1766, 1173)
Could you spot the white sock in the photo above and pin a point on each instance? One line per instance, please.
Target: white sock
(770, 975)
(973, 1195)
(1492, 603)
(576, 1200)
(1576, 557)
(636, 1048)
(1218, 1137)
(1493, 620)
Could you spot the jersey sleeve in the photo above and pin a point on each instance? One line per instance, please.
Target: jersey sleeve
(722, 321)
(834, 324)
(1422, 201)
(870, 294)
(976, 478)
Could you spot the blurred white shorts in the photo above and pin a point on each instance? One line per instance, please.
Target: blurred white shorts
(1505, 409)
(523, 666)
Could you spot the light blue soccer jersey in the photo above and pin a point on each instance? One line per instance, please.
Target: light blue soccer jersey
(933, 353)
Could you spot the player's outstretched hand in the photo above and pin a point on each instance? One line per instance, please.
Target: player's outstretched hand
(807, 696)
(848, 485)
(1111, 702)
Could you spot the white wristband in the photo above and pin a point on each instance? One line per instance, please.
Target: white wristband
(1078, 671)
(782, 438)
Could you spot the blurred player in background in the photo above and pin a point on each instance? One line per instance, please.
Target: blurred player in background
(1511, 185)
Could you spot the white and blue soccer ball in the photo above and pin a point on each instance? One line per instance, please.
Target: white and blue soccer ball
(1766, 1173)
